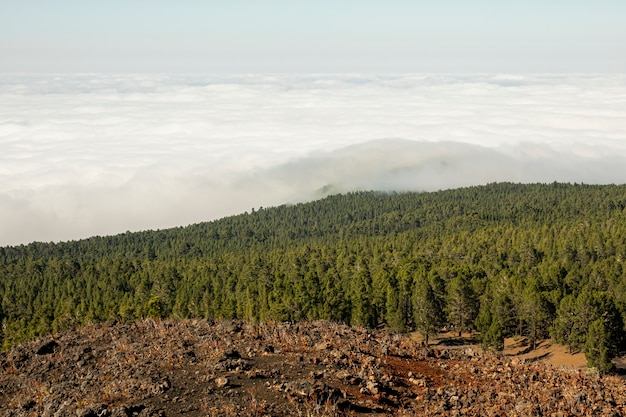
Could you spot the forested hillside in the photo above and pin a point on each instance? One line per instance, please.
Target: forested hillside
(537, 260)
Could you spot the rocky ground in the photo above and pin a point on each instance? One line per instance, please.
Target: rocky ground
(231, 368)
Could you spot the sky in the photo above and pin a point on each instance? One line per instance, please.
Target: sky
(139, 115)
(286, 36)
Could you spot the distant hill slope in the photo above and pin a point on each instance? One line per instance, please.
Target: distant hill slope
(505, 259)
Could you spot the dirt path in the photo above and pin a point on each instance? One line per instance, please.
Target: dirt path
(545, 351)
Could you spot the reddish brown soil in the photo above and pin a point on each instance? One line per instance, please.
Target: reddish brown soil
(231, 368)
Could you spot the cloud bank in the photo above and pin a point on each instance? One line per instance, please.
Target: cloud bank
(92, 154)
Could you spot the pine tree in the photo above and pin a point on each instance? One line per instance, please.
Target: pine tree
(461, 304)
(564, 326)
(155, 308)
(598, 347)
(536, 312)
(427, 309)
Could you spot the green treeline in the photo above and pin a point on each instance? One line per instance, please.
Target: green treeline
(536, 260)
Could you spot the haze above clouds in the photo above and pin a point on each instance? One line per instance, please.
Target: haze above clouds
(84, 151)
(286, 36)
(94, 154)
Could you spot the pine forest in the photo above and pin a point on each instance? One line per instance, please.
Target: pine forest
(535, 260)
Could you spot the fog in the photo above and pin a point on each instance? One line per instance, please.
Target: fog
(93, 155)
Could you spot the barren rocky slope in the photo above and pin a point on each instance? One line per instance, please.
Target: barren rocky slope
(203, 368)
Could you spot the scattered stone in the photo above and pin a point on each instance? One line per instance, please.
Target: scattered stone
(238, 365)
(372, 387)
(232, 354)
(418, 382)
(153, 368)
(47, 348)
(222, 382)
(316, 374)
(322, 346)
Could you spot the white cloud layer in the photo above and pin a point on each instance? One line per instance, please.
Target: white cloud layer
(93, 154)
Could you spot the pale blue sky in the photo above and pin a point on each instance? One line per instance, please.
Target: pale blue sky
(312, 36)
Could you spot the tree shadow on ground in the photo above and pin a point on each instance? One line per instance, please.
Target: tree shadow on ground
(456, 341)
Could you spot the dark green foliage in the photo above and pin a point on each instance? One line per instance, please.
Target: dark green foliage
(503, 259)
(494, 320)
(537, 313)
(573, 326)
(155, 307)
(493, 336)
(564, 328)
(462, 304)
(605, 335)
(598, 349)
(428, 308)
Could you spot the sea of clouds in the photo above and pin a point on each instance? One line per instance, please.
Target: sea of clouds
(101, 154)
